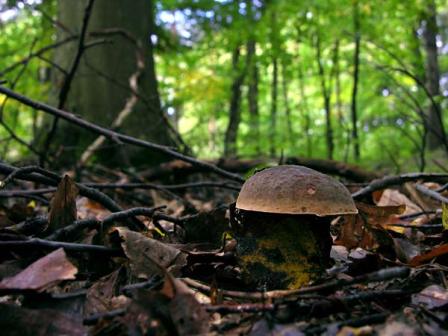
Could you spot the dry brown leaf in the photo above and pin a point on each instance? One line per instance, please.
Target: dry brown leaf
(101, 295)
(427, 257)
(405, 250)
(433, 296)
(395, 198)
(367, 227)
(43, 273)
(63, 204)
(188, 315)
(144, 252)
(90, 209)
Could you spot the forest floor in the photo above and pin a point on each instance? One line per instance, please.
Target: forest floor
(114, 254)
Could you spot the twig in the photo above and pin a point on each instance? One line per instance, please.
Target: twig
(23, 193)
(381, 275)
(397, 180)
(37, 53)
(117, 136)
(89, 223)
(354, 322)
(205, 184)
(73, 247)
(241, 308)
(431, 193)
(417, 214)
(422, 226)
(94, 318)
(321, 307)
(50, 178)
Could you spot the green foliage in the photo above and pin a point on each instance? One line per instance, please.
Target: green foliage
(194, 67)
(24, 33)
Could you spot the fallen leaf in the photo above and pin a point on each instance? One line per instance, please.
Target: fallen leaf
(405, 250)
(426, 257)
(263, 327)
(351, 331)
(18, 321)
(148, 314)
(42, 274)
(101, 295)
(433, 296)
(392, 197)
(396, 328)
(90, 209)
(63, 204)
(144, 252)
(188, 315)
(367, 228)
(353, 233)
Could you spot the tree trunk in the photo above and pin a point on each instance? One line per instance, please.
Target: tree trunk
(100, 88)
(354, 111)
(252, 94)
(326, 92)
(230, 140)
(435, 134)
(274, 85)
(303, 104)
(286, 104)
(344, 129)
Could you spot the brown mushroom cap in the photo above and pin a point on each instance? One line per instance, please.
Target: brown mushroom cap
(295, 190)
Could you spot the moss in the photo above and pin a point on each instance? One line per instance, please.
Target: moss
(287, 256)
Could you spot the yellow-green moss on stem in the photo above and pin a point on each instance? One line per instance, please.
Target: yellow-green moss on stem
(286, 256)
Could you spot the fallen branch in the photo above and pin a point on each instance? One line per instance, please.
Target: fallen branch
(115, 136)
(381, 275)
(398, 180)
(72, 247)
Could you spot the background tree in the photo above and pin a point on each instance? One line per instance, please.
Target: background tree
(116, 42)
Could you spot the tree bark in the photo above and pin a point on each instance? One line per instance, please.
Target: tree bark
(230, 140)
(354, 111)
(100, 85)
(435, 134)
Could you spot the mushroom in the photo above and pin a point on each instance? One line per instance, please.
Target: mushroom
(284, 214)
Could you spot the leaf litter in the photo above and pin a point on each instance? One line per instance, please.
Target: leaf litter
(177, 274)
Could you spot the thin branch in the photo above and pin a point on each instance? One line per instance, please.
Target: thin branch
(104, 223)
(398, 180)
(73, 247)
(431, 193)
(381, 275)
(117, 136)
(49, 178)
